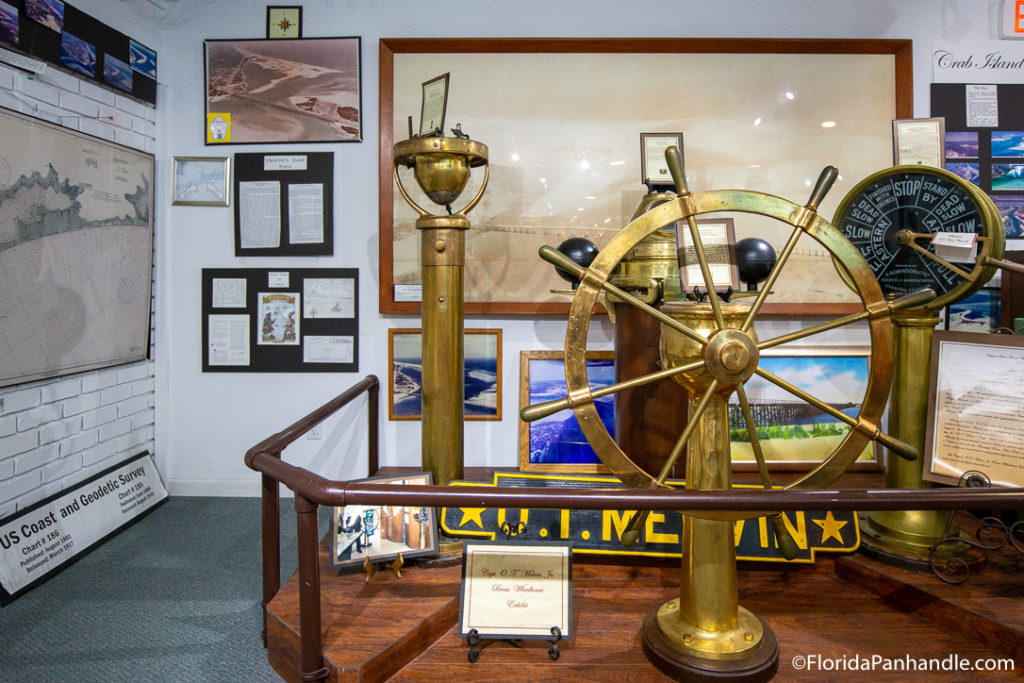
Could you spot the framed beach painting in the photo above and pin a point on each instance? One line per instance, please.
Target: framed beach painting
(555, 443)
(482, 360)
(795, 435)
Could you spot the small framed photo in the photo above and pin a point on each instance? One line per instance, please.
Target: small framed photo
(653, 167)
(279, 318)
(201, 181)
(718, 237)
(919, 141)
(284, 21)
(482, 374)
(795, 435)
(556, 443)
(383, 532)
(978, 312)
(434, 105)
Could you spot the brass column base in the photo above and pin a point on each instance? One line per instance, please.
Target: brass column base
(749, 652)
(904, 538)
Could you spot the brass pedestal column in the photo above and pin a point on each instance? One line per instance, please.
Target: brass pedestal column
(441, 167)
(705, 633)
(911, 532)
(443, 256)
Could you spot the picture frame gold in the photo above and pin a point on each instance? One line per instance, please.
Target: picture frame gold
(405, 359)
(798, 443)
(284, 21)
(201, 181)
(529, 432)
(503, 273)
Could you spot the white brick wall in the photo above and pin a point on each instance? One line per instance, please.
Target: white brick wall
(55, 433)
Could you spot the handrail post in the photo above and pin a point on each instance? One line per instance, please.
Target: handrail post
(373, 401)
(312, 662)
(271, 514)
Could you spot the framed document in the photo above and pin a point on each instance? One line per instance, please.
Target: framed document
(919, 141)
(516, 590)
(434, 105)
(718, 237)
(653, 168)
(976, 391)
(284, 22)
(201, 181)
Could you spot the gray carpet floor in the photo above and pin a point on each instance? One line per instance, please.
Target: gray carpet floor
(175, 597)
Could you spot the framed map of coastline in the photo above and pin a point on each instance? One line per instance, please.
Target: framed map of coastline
(76, 251)
(765, 115)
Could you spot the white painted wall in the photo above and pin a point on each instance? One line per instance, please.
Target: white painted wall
(205, 422)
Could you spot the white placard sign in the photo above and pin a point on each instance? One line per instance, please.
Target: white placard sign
(516, 590)
(296, 162)
(42, 538)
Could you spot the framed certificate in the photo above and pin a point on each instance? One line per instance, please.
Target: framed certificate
(284, 22)
(653, 168)
(433, 106)
(718, 237)
(919, 141)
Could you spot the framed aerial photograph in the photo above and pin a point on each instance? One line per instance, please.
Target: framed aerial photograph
(283, 91)
(482, 361)
(383, 532)
(562, 139)
(201, 181)
(795, 435)
(556, 443)
(978, 312)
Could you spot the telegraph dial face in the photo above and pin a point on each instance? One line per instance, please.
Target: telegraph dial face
(891, 208)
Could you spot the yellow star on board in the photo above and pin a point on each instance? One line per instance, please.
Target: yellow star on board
(472, 515)
(830, 527)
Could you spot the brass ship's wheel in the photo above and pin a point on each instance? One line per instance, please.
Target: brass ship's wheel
(723, 348)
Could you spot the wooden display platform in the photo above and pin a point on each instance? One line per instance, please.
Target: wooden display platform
(405, 628)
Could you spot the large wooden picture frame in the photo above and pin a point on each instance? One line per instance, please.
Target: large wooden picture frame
(563, 158)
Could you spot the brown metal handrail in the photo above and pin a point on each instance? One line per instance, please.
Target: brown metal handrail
(271, 448)
(312, 490)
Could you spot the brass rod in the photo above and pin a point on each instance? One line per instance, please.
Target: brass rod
(772, 277)
(755, 441)
(916, 298)
(539, 410)
(941, 261)
(557, 258)
(705, 270)
(1006, 265)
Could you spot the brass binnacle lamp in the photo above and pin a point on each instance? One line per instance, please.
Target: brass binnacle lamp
(442, 168)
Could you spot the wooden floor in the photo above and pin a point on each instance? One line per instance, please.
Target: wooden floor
(849, 609)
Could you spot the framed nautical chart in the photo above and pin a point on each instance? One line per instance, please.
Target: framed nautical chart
(76, 251)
